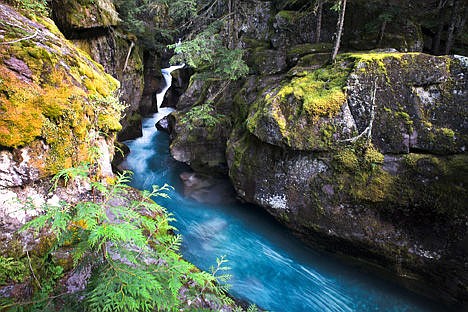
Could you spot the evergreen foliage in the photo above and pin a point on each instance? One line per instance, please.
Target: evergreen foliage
(206, 49)
(210, 53)
(39, 7)
(129, 244)
(145, 19)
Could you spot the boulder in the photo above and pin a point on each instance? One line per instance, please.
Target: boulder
(80, 16)
(199, 138)
(365, 157)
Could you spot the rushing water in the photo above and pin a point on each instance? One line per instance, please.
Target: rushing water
(269, 267)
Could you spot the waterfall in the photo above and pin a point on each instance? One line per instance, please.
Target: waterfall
(166, 72)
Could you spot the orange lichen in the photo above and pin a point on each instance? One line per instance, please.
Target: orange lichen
(20, 116)
(53, 93)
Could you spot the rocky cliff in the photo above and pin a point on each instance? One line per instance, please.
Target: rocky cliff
(365, 156)
(374, 166)
(58, 109)
(59, 117)
(93, 26)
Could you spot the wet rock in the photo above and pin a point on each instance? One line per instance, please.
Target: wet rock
(163, 125)
(208, 189)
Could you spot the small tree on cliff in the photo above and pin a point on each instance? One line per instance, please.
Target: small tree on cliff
(340, 6)
(211, 47)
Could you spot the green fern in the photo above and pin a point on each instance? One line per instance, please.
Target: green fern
(139, 267)
(69, 174)
(11, 270)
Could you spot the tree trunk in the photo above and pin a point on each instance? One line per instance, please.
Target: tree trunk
(381, 32)
(453, 20)
(440, 27)
(318, 28)
(339, 29)
(132, 44)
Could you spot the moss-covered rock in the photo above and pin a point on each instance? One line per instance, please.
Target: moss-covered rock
(110, 48)
(266, 62)
(77, 15)
(308, 112)
(366, 155)
(419, 101)
(51, 92)
(297, 52)
(199, 138)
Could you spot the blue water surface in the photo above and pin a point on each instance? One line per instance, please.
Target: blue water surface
(269, 267)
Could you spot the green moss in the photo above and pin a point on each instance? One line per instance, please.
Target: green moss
(358, 172)
(307, 48)
(314, 60)
(21, 118)
(437, 183)
(372, 186)
(347, 159)
(448, 132)
(252, 43)
(365, 60)
(321, 91)
(53, 99)
(290, 16)
(372, 156)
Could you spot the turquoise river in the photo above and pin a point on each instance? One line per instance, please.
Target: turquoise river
(269, 266)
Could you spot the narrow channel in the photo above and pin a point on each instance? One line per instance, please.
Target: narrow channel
(269, 266)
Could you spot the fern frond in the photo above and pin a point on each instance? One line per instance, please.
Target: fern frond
(68, 174)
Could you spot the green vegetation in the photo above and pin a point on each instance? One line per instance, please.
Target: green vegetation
(203, 116)
(207, 53)
(126, 240)
(60, 97)
(321, 91)
(147, 20)
(158, 22)
(38, 7)
(358, 171)
(11, 270)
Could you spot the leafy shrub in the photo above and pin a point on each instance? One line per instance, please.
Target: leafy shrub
(11, 270)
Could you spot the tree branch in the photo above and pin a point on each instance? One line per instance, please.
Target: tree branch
(21, 39)
(128, 55)
(368, 129)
